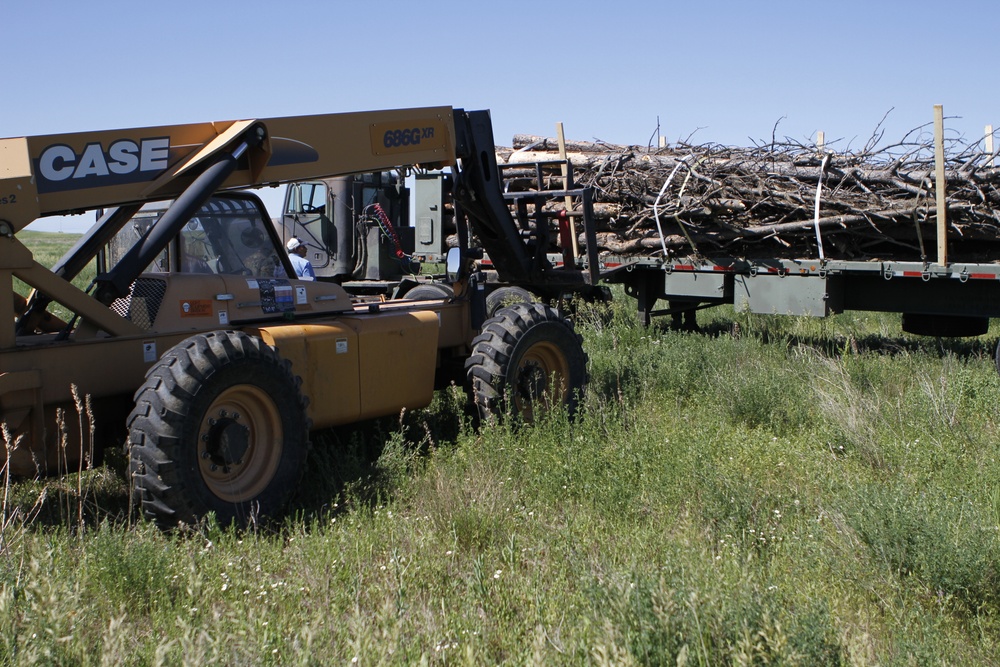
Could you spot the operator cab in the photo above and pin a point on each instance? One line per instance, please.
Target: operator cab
(226, 265)
(229, 235)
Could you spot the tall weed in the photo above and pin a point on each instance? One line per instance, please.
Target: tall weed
(946, 544)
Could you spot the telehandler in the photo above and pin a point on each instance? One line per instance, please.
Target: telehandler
(198, 342)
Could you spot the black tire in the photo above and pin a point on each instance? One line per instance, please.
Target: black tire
(945, 326)
(525, 356)
(218, 426)
(429, 291)
(996, 357)
(505, 296)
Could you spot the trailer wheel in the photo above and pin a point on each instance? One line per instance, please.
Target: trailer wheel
(219, 426)
(506, 295)
(526, 357)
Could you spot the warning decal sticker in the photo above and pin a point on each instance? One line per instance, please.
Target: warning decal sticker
(196, 308)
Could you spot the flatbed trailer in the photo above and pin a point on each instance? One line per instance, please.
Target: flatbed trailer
(956, 299)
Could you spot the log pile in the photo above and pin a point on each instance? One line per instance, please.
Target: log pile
(713, 200)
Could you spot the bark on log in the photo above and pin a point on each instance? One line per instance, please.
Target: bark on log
(538, 143)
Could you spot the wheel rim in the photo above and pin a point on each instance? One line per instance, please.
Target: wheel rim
(239, 443)
(541, 376)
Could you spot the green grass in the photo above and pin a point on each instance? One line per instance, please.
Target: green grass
(47, 249)
(770, 491)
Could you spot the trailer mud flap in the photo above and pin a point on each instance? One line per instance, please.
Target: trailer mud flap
(695, 285)
(777, 294)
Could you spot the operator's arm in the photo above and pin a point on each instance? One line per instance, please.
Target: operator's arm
(307, 271)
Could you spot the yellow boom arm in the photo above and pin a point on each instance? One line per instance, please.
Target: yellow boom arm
(63, 173)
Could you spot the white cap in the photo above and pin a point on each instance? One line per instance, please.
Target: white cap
(292, 244)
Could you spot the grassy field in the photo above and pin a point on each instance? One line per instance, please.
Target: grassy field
(768, 491)
(48, 248)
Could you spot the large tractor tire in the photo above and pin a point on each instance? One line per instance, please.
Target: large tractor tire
(218, 426)
(506, 295)
(527, 358)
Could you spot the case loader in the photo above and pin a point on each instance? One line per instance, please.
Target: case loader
(196, 339)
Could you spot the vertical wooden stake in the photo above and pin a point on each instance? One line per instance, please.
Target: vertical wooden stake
(820, 141)
(565, 174)
(989, 145)
(939, 185)
(663, 141)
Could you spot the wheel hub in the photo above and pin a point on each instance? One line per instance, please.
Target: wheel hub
(227, 440)
(531, 381)
(240, 442)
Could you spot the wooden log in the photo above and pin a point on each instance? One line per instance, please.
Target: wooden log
(579, 160)
(539, 143)
(837, 169)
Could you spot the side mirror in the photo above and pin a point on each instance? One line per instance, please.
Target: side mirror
(454, 267)
(293, 199)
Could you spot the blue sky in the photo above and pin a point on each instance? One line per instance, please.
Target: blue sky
(724, 71)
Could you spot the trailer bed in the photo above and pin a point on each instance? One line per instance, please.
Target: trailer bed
(962, 296)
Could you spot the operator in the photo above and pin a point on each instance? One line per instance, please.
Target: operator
(194, 257)
(297, 253)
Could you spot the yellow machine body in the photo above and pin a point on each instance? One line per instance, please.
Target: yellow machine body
(370, 365)
(354, 364)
